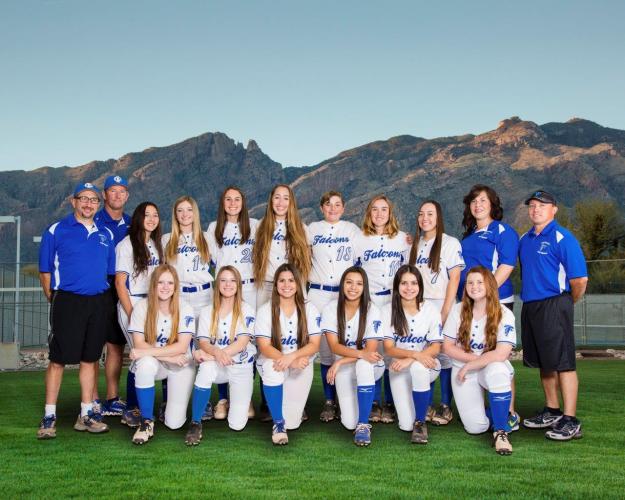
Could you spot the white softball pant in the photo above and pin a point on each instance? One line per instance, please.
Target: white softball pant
(263, 293)
(320, 299)
(248, 293)
(348, 378)
(443, 358)
(124, 320)
(198, 300)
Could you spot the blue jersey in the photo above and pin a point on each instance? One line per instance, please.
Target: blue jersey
(119, 228)
(79, 259)
(497, 244)
(548, 261)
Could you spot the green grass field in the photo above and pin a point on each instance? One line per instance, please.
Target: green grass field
(320, 461)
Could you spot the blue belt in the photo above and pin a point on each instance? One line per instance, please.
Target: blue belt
(245, 282)
(325, 288)
(385, 292)
(191, 289)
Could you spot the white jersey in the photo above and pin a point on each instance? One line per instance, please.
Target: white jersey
(222, 338)
(137, 284)
(381, 257)
(288, 325)
(233, 252)
(186, 322)
(424, 328)
(332, 250)
(277, 250)
(374, 329)
(192, 271)
(435, 284)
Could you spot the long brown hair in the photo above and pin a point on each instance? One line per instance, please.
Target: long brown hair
(493, 312)
(151, 316)
(392, 226)
(171, 250)
(435, 252)
(297, 250)
(302, 324)
(398, 316)
(236, 309)
(363, 307)
(496, 210)
(222, 218)
(136, 233)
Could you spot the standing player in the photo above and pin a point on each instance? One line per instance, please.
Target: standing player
(413, 339)
(332, 244)
(162, 327)
(554, 277)
(287, 334)
(75, 259)
(479, 337)
(225, 354)
(438, 257)
(353, 328)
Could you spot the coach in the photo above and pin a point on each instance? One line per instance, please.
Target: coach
(74, 260)
(554, 277)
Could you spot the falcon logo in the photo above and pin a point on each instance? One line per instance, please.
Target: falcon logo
(248, 321)
(484, 235)
(508, 329)
(376, 325)
(88, 185)
(544, 245)
(117, 178)
(103, 240)
(188, 320)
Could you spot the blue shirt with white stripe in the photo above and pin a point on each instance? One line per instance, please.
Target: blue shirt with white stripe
(119, 228)
(497, 244)
(79, 259)
(548, 261)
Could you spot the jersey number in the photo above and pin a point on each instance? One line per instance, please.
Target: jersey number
(246, 256)
(344, 253)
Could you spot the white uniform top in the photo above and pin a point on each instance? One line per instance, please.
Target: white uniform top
(435, 284)
(186, 322)
(423, 328)
(374, 329)
(189, 266)
(124, 263)
(381, 257)
(332, 250)
(222, 340)
(505, 334)
(277, 250)
(233, 252)
(288, 325)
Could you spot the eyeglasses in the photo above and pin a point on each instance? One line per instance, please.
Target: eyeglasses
(87, 199)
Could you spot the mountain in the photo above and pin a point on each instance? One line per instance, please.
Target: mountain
(575, 160)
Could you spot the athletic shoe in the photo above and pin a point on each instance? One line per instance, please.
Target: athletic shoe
(144, 432)
(388, 414)
(328, 412)
(278, 433)
(265, 416)
(443, 415)
(208, 412)
(501, 442)
(194, 434)
(429, 414)
(542, 420)
(419, 433)
(251, 412)
(131, 417)
(47, 428)
(90, 424)
(513, 422)
(304, 415)
(362, 435)
(161, 412)
(113, 407)
(565, 429)
(97, 411)
(221, 409)
(376, 412)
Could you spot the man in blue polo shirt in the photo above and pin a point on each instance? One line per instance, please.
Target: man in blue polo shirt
(554, 277)
(75, 259)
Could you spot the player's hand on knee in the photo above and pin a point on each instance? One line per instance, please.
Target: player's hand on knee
(136, 353)
(283, 362)
(300, 363)
(200, 355)
(331, 376)
(401, 364)
(222, 358)
(424, 359)
(371, 357)
(179, 360)
(462, 374)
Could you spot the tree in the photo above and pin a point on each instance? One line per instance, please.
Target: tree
(599, 226)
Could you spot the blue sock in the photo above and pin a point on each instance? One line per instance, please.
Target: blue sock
(378, 390)
(446, 386)
(131, 392)
(499, 408)
(274, 394)
(164, 390)
(432, 385)
(146, 401)
(223, 391)
(489, 415)
(199, 402)
(388, 394)
(420, 400)
(365, 402)
(328, 390)
(263, 399)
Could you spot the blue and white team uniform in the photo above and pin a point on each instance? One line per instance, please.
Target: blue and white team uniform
(491, 247)
(411, 386)
(119, 228)
(354, 381)
(496, 377)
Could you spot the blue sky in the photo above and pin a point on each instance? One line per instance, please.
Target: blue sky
(83, 81)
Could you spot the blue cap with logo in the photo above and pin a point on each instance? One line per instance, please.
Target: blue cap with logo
(86, 186)
(115, 180)
(542, 196)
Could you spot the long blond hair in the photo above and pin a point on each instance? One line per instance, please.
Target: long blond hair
(151, 318)
(297, 250)
(171, 250)
(237, 314)
(493, 312)
(302, 323)
(392, 226)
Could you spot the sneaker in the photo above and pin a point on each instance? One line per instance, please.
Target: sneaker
(565, 429)
(265, 416)
(513, 422)
(419, 433)
(221, 409)
(304, 415)
(194, 434)
(113, 407)
(278, 433)
(388, 414)
(429, 414)
(144, 432)
(542, 420)
(47, 428)
(208, 413)
(161, 412)
(251, 412)
(328, 412)
(362, 435)
(131, 417)
(376, 412)
(97, 411)
(501, 442)
(443, 415)
(90, 424)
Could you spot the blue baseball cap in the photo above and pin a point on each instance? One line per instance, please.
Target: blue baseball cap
(542, 196)
(115, 180)
(86, 186)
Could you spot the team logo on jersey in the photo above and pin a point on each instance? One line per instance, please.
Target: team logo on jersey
(187, 249)
(318, 321)
(544, 245)
(507, 329)
(382, 254)
(243, 356)
(410, 339)
(103, 240)
(161, 340)
(188, 320)
(484, 235)
(279, 237)
(376, 325)
(248, 321)
(476, 347)
(320, 239)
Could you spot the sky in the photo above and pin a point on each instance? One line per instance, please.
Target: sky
(82, 81)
